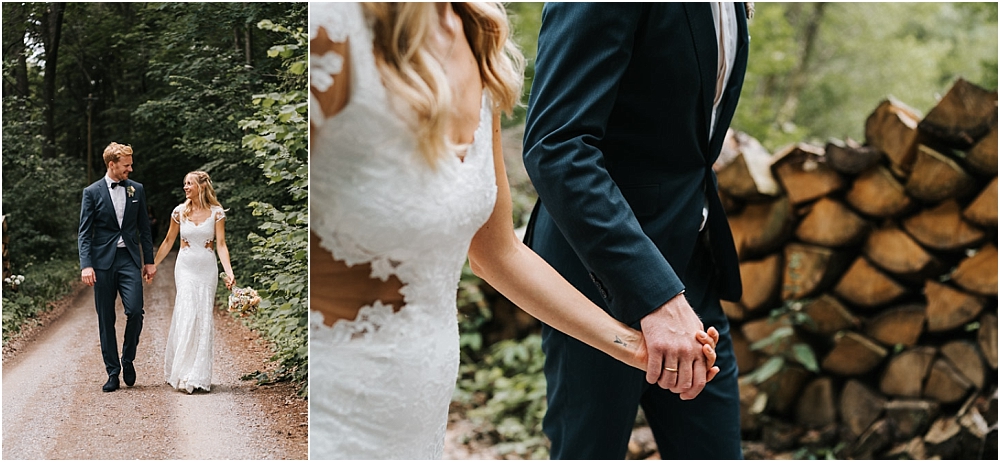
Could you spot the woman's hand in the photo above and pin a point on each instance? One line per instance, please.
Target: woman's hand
(709, 341)
(230, 281)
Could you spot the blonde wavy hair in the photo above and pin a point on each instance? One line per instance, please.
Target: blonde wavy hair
(206, 193)
(401, 33)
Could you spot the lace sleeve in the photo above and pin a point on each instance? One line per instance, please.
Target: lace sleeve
(220, 214)
(330, 29)
(176, 214)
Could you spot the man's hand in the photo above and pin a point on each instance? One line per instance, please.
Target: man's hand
(88, 277)
(681, 355)
(148, 271)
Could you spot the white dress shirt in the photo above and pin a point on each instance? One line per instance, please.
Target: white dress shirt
(724, 14)
(118, 199)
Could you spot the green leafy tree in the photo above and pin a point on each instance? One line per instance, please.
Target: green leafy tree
(278, 136)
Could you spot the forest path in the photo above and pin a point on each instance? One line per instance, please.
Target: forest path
(53, 406)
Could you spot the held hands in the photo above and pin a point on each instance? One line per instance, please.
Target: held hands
(230, 281)
(148, 271)
(680, 353)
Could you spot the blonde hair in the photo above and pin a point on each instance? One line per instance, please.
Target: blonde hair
(206, 193)
(401, 32)
(116, 151)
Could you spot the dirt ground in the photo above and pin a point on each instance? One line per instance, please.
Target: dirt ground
(53, 406)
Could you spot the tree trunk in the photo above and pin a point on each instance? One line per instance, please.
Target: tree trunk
(983, 209)
(828, 316)
(982, 158)
(859, 406)
(850, 158)
(748, 175)
(987, 339)
(898, 326)
(910, 417)
(878, 194)
(895, 251)
(978, 273)
(892, 128)
(816, 407)
(946, 384)
(866, 286)
(799, 76)
(935, 177)
(51, 22)
(761, 282)
(904, 376)
(949, 308)
(942, 228)
(762, 228)
(830, 223)
(964, 355)
(809, 270)
(963, 115)
(803, 172)
(853, 354)
(16, 19)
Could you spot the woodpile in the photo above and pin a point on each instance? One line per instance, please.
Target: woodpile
(869, 314)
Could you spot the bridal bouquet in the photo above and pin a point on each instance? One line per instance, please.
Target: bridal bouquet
(243, 301)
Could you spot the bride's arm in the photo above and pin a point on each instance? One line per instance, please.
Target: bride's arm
(168, 242)
(223, 251)
(497, 256)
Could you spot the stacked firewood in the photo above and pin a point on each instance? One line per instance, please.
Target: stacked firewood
(868, 322)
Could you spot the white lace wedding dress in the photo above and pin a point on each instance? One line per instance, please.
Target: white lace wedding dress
(188, 364)
(380, 385)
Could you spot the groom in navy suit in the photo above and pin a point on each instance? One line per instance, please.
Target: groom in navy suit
(113, 225)
(628, 111)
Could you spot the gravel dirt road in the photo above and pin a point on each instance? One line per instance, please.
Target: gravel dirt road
(53, 406)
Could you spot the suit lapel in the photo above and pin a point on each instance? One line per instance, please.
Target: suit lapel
(102, 190)
(706, 48)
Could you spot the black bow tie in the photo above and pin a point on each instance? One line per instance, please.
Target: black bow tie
(115, 185)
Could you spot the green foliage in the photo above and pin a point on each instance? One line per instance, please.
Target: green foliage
(43, 283)
(277, 134)
(781, 344)
(41, 196)
(473, 313)
(525, 20)
(507, 393)
(863, 53)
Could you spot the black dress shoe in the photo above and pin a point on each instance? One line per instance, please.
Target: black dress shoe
(128, 373)
(112, 384)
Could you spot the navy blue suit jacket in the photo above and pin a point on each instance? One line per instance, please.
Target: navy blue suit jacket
(617, 145)
(99, 230)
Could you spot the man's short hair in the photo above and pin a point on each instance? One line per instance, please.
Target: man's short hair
(116, 151)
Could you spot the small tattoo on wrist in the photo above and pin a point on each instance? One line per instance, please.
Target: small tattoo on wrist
(619, 341)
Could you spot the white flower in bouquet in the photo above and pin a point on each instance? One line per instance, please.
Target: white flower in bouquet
(243, 301)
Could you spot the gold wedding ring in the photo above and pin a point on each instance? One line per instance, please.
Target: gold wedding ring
(669, 369)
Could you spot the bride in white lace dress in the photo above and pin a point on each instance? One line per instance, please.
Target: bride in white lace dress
(407, 179)
(200, 221)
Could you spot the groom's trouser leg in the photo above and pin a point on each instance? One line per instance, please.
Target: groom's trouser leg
(105, 294)
(592, 399)
(130, 287)
(707, 427)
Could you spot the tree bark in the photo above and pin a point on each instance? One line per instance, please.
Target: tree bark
(799, 76)
(904, 376)
(949, 308)
(51, 22)
(898, 326)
